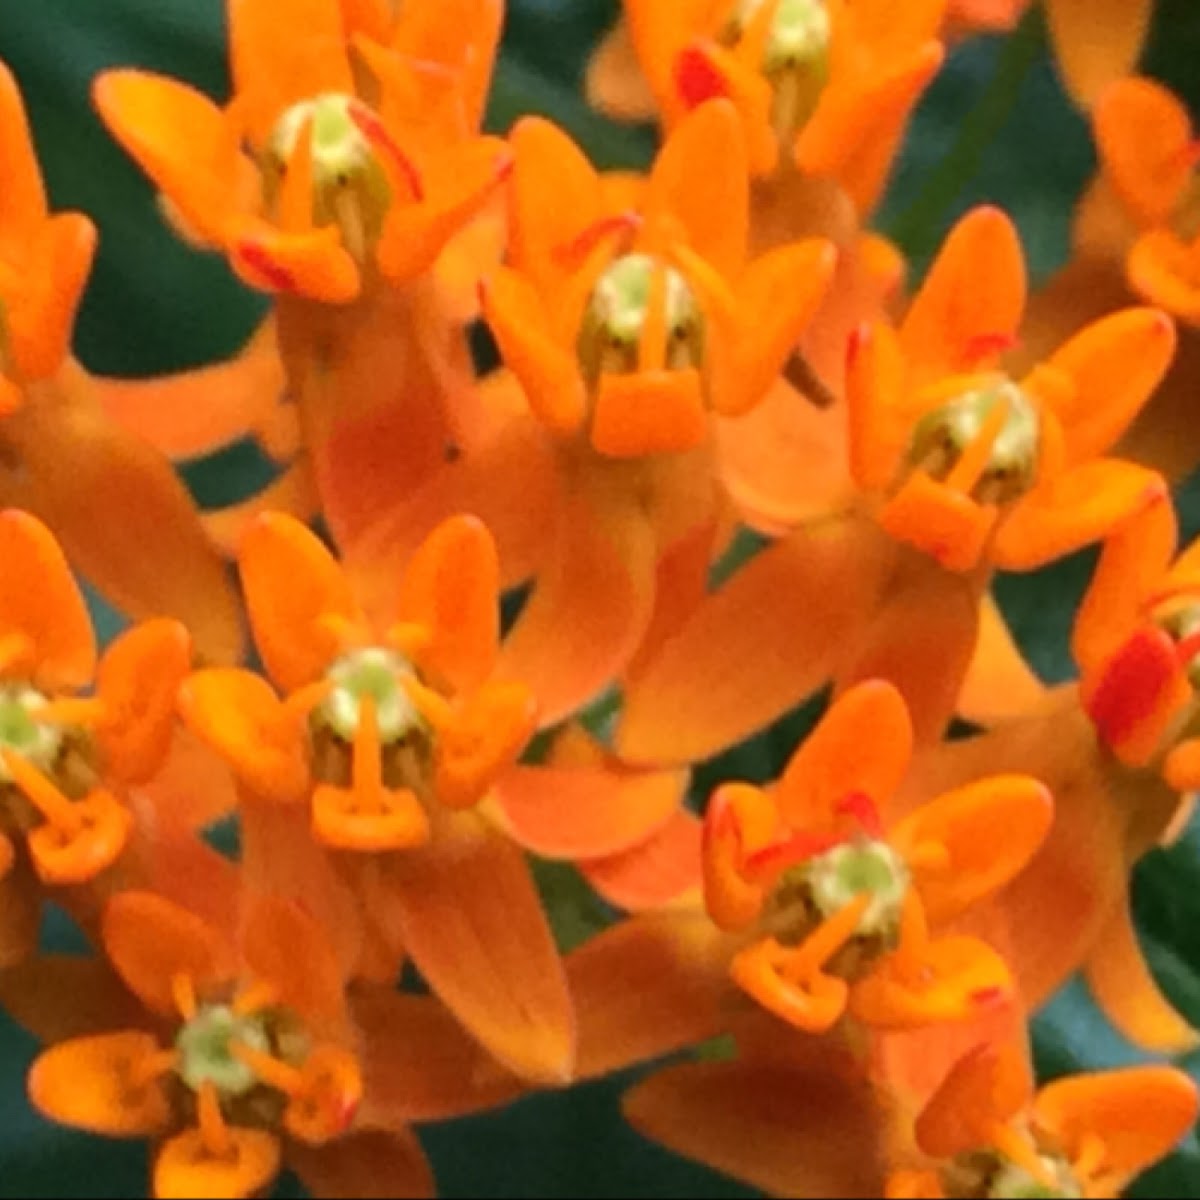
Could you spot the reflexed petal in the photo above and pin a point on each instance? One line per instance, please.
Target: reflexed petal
(989, 829)
(59, 996)
(470, 917)
(951, 314)
(292, 581)
(791, 1133)
(713, 683)
(23, 204)
(451, 586)
(662, 870)
(647, 986)
(309, 263)
(1096, 42)
(20, 912)
(138, 683)
(87, 1082)
(151, 941)
(615, 84)
(372, 1164)
(1119, 978)
(830, 765)
(39, 601)
(241, 718)
(1138, 1114)
(185, 1169)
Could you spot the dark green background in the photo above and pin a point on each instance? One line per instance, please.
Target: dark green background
(155, 305)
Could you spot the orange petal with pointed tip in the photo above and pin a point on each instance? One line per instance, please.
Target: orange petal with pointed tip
(1115, 365)
(292, 583)
(712, 684)
(1077, 508)
(242, 719)
(662, 870)
(451, 586)
(1137, 1114)
(951, 314)
(1096, 42)
(152, 941)
(23, 206)
(586, 812)
(711, 203)
(592, 603)
(1120, 980)
(470, 918)
(790, 1133)
(89, 1083)
(39, 601)
(108, 495)
(648, 986)
(137, 682)
(374, 1164)
(990, 830)
(1143, 136)
(185, 1168)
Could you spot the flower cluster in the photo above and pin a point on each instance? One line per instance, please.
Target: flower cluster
(728, 458)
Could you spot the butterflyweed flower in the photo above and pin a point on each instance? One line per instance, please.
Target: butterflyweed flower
(67, 758)
(385, 739)
(335, 178)
(985, 1133)
(959, 468)
(247, 1055)
(106, 494)
(820, 85)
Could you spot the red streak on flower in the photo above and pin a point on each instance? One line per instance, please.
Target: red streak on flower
(1190, 152)
(859, 807)
(259, 259)
(376, 133)
(986, 345)
(799, 848)
(697, 77)
(1132, 683)
(579, 247)
(989, 997)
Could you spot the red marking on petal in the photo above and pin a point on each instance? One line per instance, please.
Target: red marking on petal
(256, 256)
(1132, 683)
(860, 808)
(1187, 648)
(796, 850)
(578, 248)
(374, 130)
(985, 345)
(989, 997)
(1189, 153)
(697, 77)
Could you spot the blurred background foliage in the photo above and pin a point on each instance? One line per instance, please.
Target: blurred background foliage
(155, 305)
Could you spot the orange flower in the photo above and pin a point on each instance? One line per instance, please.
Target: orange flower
(823, 84)
(106, 494)
(248, 1051)
(67, 760)
(959, 468)
(986, 1133)
(836, 907)
(388, 737)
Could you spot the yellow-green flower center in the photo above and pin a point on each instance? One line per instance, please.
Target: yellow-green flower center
(942, 436)
(989, 1175)
(843, 874)
(21, 730)
(378, 674)
(205, 1046)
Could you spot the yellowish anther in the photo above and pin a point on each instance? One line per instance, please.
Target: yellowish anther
(183, 992)
(347, 633)
(55, 808)
(258, 996)
(409, 638)
(27, 728)
(84, 712)
(433, 706)
(214, 1133)
(275, 1073)
(652, 349)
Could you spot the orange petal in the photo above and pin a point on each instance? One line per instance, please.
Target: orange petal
(614, 83)
(470, 917)
(1079, 507)
(185, 1168)
(831, 765)
(40, 602)
(648, 986)
(586, 812)
(1143, 136)
(1115, 365)
(89, 1083)
(713, 684)
(713, 206)
(1137, 1114)
(374, 1164)
(662, 870)
(649, 412)
(878, 426)
(62, 857)
(108, 495)
(951, 315)
(1000, 684)
(183, 141)
(293, 492)
(789, 1133)
(23, 207)
(292, 585)
(309, 263)
(1120, 980)
(591, 605)
(58, 996)
(989, 830)
(152, 941)
(137, 682)
(241, 718)
(1159, 269)
(420, 1064)
(451, 587)
(1096, 42)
